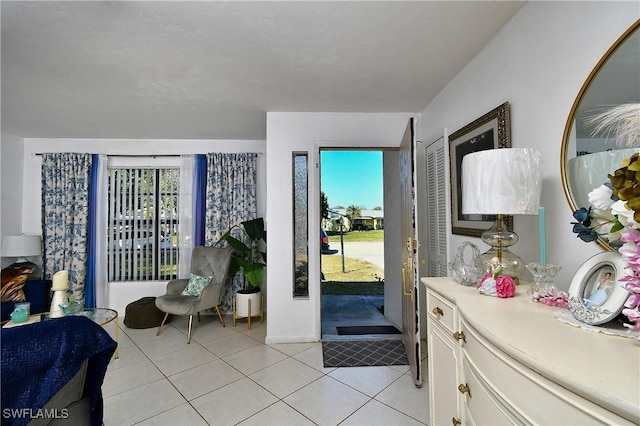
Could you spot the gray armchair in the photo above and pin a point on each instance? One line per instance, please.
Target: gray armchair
(205, 261)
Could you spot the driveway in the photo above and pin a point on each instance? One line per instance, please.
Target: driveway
(367, 251)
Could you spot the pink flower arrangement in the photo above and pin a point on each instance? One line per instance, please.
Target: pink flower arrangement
(505, 287)
(552, 297)
(631, 253)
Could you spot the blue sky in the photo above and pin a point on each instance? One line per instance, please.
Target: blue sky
(352, 177)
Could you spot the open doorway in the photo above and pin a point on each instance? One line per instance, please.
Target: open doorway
(352, 242)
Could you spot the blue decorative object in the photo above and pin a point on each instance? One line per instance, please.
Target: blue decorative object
(73, 307)
(19, 315)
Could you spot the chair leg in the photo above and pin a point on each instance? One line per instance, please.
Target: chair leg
(198, 316)
(190, 326)
(220, 316)
(162, 324)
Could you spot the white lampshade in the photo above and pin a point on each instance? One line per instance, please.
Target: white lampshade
(504, 181)
(21, 245)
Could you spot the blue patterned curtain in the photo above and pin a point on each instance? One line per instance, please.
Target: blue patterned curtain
(65, 200)
(90, 281)
(231, 199)
(96, 281)
(199, 198)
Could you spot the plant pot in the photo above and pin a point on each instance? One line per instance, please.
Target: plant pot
(247, 305)
(242, 304)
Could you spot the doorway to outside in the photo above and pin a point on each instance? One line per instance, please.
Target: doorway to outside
(352, 239)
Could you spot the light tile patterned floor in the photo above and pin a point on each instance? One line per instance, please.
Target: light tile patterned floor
(228, 376)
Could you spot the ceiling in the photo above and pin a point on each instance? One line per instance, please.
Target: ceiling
(212, 69)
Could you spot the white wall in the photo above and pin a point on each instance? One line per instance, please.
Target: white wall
(12, 188)
(538, 62)
(298, 320)
(11, 152)
(119, 295)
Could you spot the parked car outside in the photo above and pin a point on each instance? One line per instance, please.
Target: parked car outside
(324, 240)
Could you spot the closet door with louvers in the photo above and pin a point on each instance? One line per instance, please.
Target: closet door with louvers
(436, 210)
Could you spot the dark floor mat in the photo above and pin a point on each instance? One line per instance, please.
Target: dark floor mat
(361, 353)
(367, 329)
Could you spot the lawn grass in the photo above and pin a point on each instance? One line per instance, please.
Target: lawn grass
(360, 278)
(356, 270)
(357, 236)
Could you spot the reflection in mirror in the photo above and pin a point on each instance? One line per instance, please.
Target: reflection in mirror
(587, 158)
(300, 225)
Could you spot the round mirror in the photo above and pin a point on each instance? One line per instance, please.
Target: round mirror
(587, 158)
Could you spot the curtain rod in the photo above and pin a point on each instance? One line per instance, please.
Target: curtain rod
(39, 154)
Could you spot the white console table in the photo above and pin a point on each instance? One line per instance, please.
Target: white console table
(509, 361)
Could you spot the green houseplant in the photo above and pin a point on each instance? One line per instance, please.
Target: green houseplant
(247, 257)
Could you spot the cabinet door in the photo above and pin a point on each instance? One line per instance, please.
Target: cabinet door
(444, 376)
(436, 209)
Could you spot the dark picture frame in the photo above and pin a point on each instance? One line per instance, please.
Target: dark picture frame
(492, 130)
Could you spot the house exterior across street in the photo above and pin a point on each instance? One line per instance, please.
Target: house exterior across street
(367, 221)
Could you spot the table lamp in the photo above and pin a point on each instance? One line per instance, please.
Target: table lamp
(505, 181)
(21, 246)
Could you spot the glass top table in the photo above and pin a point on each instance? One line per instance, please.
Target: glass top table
(101, 316)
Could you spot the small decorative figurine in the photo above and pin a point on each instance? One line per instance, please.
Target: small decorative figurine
(494, 284)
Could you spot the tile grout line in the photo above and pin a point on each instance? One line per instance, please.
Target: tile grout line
(278, 399)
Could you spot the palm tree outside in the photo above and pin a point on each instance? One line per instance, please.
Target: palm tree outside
(353, 212)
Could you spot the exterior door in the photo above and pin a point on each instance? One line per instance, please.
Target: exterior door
(408, 257)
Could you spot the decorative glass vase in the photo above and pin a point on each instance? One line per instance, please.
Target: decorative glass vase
(543, 278)
(466, 273)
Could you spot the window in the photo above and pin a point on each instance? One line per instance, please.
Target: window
(300, 224)
(142, 223)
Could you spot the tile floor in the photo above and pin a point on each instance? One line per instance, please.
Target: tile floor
(228, 376)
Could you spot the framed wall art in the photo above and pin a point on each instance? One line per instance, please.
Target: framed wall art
(490, 131)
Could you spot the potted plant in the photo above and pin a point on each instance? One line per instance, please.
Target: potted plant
(248, 259)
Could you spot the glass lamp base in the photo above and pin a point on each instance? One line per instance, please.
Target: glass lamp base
(500, 238)
(510, 262)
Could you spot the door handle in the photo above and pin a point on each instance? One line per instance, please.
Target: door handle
(459, 335)
(404, 284)
(437, 311)
(464, 388)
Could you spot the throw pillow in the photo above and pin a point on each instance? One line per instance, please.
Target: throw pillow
(13, 279)
(196, 284)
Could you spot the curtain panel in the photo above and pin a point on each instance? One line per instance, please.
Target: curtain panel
(230, 199)
(65, 199)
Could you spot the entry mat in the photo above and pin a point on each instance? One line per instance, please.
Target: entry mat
(361, 353)
(367, 329)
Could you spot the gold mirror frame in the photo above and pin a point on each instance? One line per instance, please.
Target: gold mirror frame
(572, 116)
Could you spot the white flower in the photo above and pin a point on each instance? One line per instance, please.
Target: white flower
(600, 198)
(602, 217)
(624, 213)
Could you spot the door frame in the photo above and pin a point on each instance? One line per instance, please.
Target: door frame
(393, 305)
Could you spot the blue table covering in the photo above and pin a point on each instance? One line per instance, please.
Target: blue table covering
(39, 359)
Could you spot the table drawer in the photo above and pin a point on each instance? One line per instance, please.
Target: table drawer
(442, 311)
(524, 394)
(482, 407)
